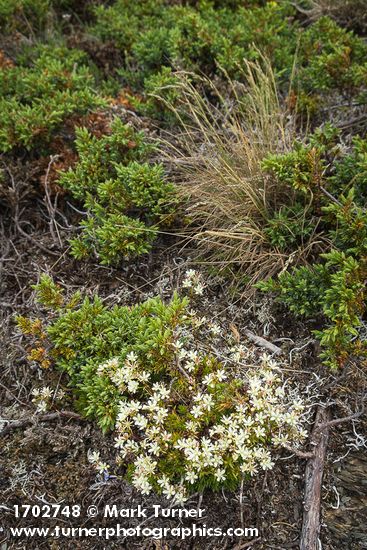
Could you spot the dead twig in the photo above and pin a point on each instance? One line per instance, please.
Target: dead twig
(52, 208)
(36, 243)
(262, 343)
(337, 421)
(300, 454)
(24, 422)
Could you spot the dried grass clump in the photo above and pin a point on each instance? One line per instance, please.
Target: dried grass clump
(217, 158)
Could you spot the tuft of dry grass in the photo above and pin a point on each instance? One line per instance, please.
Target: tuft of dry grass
(220, 143)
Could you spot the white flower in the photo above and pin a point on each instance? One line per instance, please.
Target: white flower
(191, 426)
(132, 357)
(191, 476)
(41, 406)
(144, 376)
(209, 380)
(255, 385)
(199, 289)
(140, 421)
(198, 397)
(169, 490)
(279, 392)
(93, 456)
(193, 355)
(265, 358)
(163, 481)
(196, 411)
(132, 386)
(221, 375)
(120, 442)
(215, 329)
(118, 378)
(165, 436)
(266, 463)
(207, 402)
(269, 377)
(46, 392)
(220, 475)
(197, 322)
(160, 415)
(130, 447)
(60, 395)
(301, 434)
(249, 468)
(239, 352)
(142, 484)
(101, 467)
(182, 353)
(259, 431)
(180, 496)
(108, 365)
(154, 448)
(190, 366)
(281, 439)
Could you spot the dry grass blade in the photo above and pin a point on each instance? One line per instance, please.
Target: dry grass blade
(218, 166)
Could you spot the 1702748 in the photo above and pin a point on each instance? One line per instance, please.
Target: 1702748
(46, 510)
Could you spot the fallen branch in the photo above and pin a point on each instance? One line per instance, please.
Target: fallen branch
(313, 480)
(262, 343)
(24, 422)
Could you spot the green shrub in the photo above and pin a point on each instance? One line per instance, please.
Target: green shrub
(38, 19)
(127, 199)
(351, 172)
(335, 290)
(301, 168)
(36, 99)
(160, 90)
(289, 227)
(153, 35)
(334, 286)
(157, 36)
(329, 58)
(183, 421)
(28, 16)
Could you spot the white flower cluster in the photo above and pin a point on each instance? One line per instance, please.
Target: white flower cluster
(193, 280)
(126, 376)
(189, 359)
(44, 397)
(215, 435)
(147, 419)
(213, 415)
(239, 353)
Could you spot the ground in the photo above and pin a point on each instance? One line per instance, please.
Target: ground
(46, 462)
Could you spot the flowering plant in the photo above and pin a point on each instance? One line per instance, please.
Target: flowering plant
(203, 431)
(186, 417)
